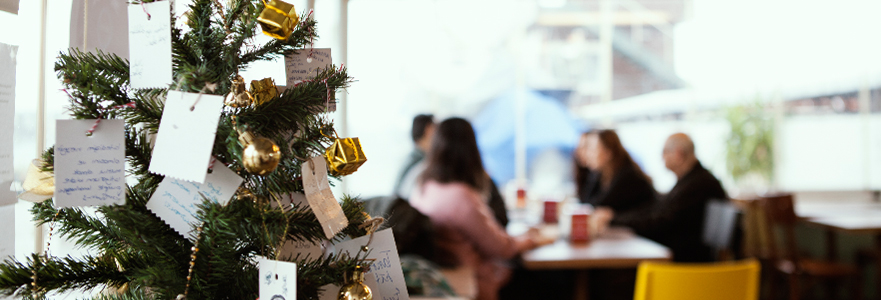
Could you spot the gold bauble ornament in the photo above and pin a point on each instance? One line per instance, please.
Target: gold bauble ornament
(260, 156)
(278, 19)
(238, 95)
(244, 194)
(345, 156)
(355, 289)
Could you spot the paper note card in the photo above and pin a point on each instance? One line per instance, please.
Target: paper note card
(150, 45)
(7, 235)
(306, 64)
(7, 109)
(175, 200)
(301, 250)
(320, 198)
(89, 170)
(185, 138)
(387, 265)
(7, 196)
(278, 279)
(95, 34)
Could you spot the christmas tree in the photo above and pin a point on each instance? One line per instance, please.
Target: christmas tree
(135, 252)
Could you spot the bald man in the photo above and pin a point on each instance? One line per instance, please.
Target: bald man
(676, 220)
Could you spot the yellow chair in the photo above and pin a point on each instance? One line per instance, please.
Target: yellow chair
(737, 280)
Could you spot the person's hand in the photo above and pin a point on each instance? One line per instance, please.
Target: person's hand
(600, 219)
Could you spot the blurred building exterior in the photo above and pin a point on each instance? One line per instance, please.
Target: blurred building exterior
(588, 51)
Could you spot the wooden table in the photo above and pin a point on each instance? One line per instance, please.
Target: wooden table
(616, 248)
(842, 217)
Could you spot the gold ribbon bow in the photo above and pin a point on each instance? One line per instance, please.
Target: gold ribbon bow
(38, 185)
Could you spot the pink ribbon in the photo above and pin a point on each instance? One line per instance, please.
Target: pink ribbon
(115, 107)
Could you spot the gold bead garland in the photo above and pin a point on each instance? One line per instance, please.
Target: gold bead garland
(195, 250)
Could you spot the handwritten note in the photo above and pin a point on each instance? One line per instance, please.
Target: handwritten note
(387, 265)
(7, 120)
(150, 45)
(327, 210)
(7, 235)
(306, 64)
(185, 138)
(301, 250)
(94, 34)
(278, 279)
(89, 170)
(175, 200)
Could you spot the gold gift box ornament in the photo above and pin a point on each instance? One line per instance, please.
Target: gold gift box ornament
(263, 90)
(278, 19)
(345, 156)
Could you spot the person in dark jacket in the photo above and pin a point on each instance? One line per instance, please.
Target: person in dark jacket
(677, 219)
(608, 176)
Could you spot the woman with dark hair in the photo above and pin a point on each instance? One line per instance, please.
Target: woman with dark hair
(453, 192)
(607, 175)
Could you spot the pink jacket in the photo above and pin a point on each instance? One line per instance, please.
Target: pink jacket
(466, 229)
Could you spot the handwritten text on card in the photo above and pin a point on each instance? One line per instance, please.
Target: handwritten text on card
(175, 201)
(89, 170)
(150, 45)
(306, 64)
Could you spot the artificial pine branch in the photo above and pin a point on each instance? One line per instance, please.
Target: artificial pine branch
(136, 251)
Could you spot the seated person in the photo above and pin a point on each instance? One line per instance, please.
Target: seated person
(607, 175)
(453, 192)
(421, 133)
(677, 219)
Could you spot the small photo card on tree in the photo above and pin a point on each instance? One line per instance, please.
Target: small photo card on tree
(149, 27)
(305, 64)
(278, 279)
(320, 198)
(387, 265)
(89, 170)
(186, 137)
(175, 200)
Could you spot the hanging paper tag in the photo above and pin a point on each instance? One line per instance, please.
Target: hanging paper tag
(300, 67)
(175, 200)
(150, 44)
(95, 33)
(89, 170)
(185, 138)
(7, 110)
(7, 119)
(278, 279)
(324, 205)
(387, 265)
(301, 250)
(7, 235)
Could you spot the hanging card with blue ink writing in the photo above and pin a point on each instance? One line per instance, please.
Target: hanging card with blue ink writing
(150, 45)
(175, 201)
(89, 170)
(278, 279)
(186, 137)
(387, 265)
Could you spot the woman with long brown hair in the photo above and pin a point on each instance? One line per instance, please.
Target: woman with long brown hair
(607, 175)
(452, 192)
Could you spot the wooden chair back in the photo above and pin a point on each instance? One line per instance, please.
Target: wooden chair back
(779, 212)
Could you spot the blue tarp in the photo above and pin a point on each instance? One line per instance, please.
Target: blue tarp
(549, 125)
